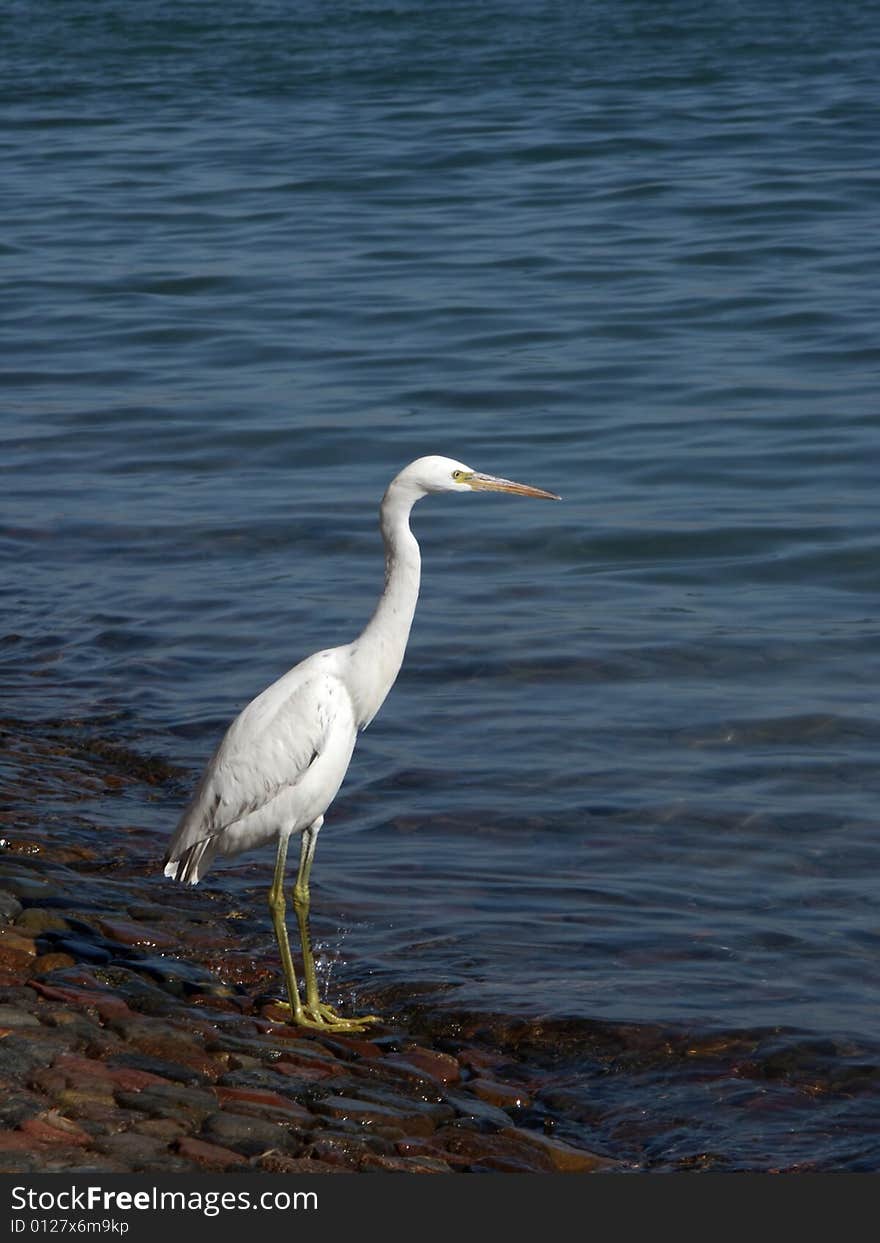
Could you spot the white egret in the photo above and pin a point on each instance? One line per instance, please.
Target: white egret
(284, 757)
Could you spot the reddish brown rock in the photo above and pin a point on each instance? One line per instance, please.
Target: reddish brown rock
(82, 1103)
(166, 1129)
(477, 1059)
(349, 1047)
(78, 1068)
(15, 962)
(16, 941)
(504, 1095)
(369, 1113)
(17, 1141)
(156, 1041)
(45, 963)
(53, 1128)
(306, 1072)
(277, 1013)
(48, 1080)
(473, 1149)
(105, 1005)
(128, 933)
(203, 1153)
(35, 919)
(426, 1064)
(405, 1165)
(264, 1104)
(565, 1158)
(338, 1150)
(277, 1163)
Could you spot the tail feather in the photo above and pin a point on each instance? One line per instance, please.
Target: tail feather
(193, 863)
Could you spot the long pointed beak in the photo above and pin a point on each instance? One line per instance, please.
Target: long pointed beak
(489, 483)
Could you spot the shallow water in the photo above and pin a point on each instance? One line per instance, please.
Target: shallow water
(253, 265)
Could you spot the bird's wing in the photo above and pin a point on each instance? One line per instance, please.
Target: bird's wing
(267, 748)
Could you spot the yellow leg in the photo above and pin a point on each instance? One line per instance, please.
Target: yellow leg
(315, 1014)
(276, 907)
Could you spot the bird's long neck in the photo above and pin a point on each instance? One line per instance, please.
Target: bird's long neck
(376, 656)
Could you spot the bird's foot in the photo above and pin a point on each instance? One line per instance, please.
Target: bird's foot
(324, 1018)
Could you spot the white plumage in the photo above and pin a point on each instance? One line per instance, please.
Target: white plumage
(284, 757)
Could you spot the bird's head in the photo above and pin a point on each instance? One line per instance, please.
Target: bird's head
(444, 474)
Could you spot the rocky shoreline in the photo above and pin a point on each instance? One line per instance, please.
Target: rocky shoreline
(118, 1054)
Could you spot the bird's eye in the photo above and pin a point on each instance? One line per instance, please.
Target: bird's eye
(458, 474)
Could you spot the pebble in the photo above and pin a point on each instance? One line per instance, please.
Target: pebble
(211, 1155)
(565, 1158)
(269, 1105)
(37, 919)
(43, 964)
(14, 941)
(504, 1095)
(127, 933)
(168, 1100)
(12, 1016)
(247, 1135)
(277, 1163)
(370, 1113)
(10, 907)
(27, 888)
(428, 1064)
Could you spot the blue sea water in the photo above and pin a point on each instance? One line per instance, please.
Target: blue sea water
(255, 259)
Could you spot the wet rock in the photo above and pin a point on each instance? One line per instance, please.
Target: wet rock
(105, 1005)
(36, 920)
(159, 1067)
(260, 1049)
(137, 1151)
(259, 1079)
(479, 1060)
(27, 889)
(168, 1101)
(82, 1103)
(163, 1128)
(18, 1104)
(479, 1151)
(480, 1112)
(437, 1110)
(10, 907)
(14, 1016)
(181, 979)
(339, 1150)
(127, 1078)
(268, 1105)
(250, 1136)
(127, 933)
(20, 1054)
(349, 1047)
(565, 1158)
(405, 1165)
(371, 1113)
(277, 1163)
(211, 1156)
(43, 964)
(16, 941)
(307, 1052)
(504, 1095)
(428, 1064)
(52, 1127)
(82, 950)
(301, 1075)
(18, 1156)
(167, 1046)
